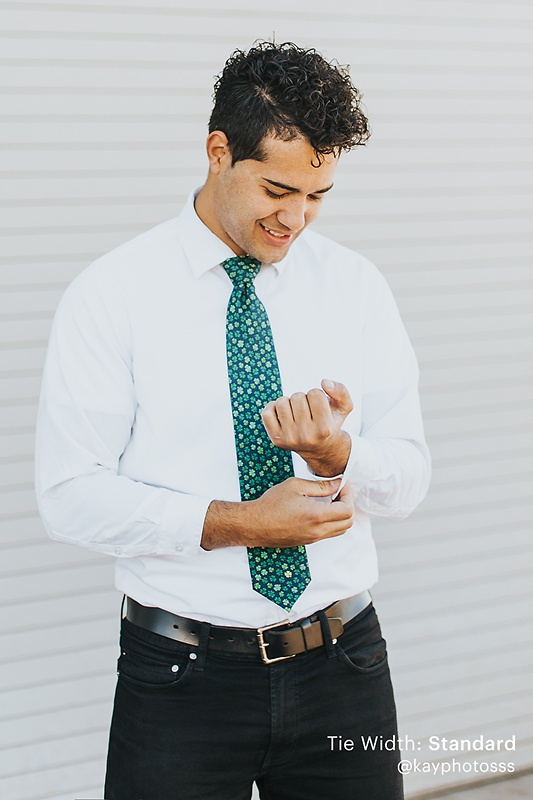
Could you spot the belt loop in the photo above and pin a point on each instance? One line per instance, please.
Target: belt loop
(203, 643)
(326, 634)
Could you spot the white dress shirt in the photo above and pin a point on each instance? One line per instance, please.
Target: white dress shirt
(135, 433)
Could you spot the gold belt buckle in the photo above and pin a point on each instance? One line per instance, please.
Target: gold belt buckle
(263, 645)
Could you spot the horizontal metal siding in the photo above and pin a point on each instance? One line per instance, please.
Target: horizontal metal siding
(104, 112)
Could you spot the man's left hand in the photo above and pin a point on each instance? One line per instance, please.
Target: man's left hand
(310, 424)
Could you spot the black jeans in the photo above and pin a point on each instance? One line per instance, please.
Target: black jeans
(206, 727)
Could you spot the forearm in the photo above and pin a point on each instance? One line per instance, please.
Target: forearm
(228, 524)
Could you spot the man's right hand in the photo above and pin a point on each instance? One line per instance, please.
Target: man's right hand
(286, 515)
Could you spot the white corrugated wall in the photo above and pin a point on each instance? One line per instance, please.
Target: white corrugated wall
(103, 111)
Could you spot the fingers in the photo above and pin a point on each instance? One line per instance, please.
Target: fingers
(339, 394)
(332, 529)
(319, 488)
(289, 513)
(287, 420)
(346, 497)
(297, 407)
(320, 409)
(343, 507)
(271, 422)
(335, 518)
(305, 420)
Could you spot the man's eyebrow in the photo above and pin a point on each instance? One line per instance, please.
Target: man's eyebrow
(293, 189)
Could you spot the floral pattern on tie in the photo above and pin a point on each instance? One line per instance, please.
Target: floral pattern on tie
(280, 574)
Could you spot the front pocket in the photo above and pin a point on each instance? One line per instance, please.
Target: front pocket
(154, 674)
(364, 662)
(362, 647)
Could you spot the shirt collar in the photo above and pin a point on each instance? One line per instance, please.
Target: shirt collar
(203, 249)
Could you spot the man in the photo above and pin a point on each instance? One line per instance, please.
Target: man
(226, 399)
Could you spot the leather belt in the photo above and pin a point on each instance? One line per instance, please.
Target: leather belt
(272, 642)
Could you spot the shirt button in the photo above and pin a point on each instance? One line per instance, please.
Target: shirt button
(193, 656)
(117, 551)
(174, 667)
(179, 548)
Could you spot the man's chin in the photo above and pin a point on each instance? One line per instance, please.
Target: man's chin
(270, 255)
(276, 259)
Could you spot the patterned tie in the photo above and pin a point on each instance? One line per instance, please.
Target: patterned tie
(280, 574)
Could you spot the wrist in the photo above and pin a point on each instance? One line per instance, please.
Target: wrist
(331, 459)
(228, 524)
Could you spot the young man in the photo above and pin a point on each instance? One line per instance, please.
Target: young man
(226, 400)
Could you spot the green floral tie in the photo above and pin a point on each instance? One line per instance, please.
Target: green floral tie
(281, 574)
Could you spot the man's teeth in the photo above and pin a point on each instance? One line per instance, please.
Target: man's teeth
(279, 235)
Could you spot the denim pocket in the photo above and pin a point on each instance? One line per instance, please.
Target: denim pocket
(151, 661)
(362, 647)
(153, 674)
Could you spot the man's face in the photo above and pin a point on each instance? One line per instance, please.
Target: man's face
(261, 207)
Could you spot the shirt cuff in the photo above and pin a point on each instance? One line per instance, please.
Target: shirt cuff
(364, 462)
(182, 524)
(343, 475)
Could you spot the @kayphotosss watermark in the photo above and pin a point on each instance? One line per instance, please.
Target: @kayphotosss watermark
(409, 766)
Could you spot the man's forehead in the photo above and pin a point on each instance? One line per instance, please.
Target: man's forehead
(272, 145)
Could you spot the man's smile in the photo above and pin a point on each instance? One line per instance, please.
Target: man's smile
(282, 237)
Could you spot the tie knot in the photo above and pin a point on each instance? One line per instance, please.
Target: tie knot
(241, 270)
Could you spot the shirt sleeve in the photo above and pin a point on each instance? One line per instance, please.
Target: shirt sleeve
(85, 421)
(389, 466)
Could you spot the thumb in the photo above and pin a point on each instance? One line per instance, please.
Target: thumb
(321, 488)
(339, 394)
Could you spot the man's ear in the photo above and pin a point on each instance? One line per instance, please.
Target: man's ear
(218, 151)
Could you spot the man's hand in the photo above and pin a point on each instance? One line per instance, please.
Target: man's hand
(310, 424)
(286, 515)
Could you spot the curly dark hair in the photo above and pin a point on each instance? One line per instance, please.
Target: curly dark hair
(285, 91)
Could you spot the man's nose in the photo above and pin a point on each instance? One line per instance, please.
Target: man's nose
(293, 213)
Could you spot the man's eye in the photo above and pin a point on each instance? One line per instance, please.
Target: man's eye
(273, 194)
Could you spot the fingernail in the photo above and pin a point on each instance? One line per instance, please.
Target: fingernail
(329, 384)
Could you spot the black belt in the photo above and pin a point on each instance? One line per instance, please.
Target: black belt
(282, 640)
